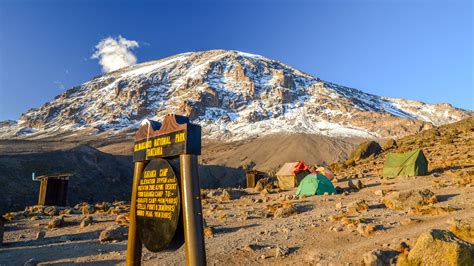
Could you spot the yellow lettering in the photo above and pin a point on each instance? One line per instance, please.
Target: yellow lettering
(154, 151)
(163, 172)
(180, 137)
(170, 186)
(142, 145)
(150, 173)
(162, 141)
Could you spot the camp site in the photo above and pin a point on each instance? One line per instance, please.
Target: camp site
(233, 132)
(381, 188)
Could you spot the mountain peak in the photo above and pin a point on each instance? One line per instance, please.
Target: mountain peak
(233, 95)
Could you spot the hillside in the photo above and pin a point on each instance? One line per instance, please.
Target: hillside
(233, 95)
(449, 150)
(92, 172)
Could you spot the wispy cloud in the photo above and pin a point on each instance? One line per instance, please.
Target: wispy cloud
(114, 53)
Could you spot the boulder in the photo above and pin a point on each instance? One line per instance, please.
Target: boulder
(56, 222)
(208, 232)
(281, 251)
(365, 150)
(66, 211)
(379, 257)
(285, 211)
(463, 229)
(86, 221)
(114, 233)
(231, 194)
(264, 193)
(365, 229)
(225, 196)
(114, 210)
(80, 205)
(87, 209)
(36, 209)
(123, 219)
(260, 185)
(102, 207)
(358, 206)
(389, 144)
(51, 210)
(40, 235)
(407, 200)
(440, 247)
(379, 192)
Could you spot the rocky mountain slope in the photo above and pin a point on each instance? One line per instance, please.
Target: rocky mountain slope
(234, 96)
(448, 149)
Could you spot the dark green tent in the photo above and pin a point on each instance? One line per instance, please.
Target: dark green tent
(315, 185)
(412, 163)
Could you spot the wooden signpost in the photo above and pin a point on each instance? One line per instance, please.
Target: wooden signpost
(166, 204)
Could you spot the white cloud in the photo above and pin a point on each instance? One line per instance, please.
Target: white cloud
(115, 53)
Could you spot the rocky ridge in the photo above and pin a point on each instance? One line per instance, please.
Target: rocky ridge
(233, 95)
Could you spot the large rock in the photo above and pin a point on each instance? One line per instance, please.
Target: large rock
(208, 231)
(87, 209)
(379, 257)
(231, 194)
(13, 216)
(365, 149)
(410, 199)
(439, 247)
(281, 251)
(123, 219)
(358, 206)
(114, 233)
(389, 144)
(463, 229)
(86, 221)
(285, 211)
(102, 207)
(35, 209)
(56, 222)
(51, 210)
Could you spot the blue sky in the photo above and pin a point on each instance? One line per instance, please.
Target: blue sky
(420, 50)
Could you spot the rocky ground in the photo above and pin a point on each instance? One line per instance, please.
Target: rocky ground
(403, 220)
(250, 227)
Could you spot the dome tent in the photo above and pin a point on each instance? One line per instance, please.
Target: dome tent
(412, 163)
(316, 184)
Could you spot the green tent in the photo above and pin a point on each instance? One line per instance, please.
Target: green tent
(412, 163)
(315, 185)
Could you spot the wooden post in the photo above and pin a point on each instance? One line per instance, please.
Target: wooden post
(192, 211)
(134, 246)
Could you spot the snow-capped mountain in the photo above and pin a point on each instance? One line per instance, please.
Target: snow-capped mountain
(233, 95)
